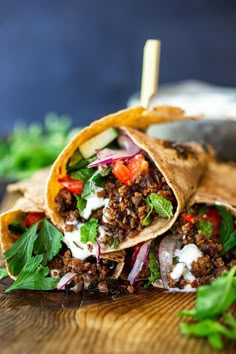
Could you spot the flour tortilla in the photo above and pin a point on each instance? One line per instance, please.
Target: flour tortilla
(182, 174)
(24, 206)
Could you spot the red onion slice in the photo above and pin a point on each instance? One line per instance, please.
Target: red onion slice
(65, 280)
(98, 256)
(166, 253)
(139, 262)
(104, 156)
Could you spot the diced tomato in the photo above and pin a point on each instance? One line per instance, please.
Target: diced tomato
(121, 171)
(126, 173)
(73, 185)
(137, 164)
(190, 218)
(32, 218)
(135, 253)
(214, 217)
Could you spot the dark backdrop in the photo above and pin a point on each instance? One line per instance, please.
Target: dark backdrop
(84, 57)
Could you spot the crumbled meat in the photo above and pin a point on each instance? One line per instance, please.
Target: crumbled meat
(88, 271)
(201, 266)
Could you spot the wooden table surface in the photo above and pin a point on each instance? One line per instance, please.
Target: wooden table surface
(59, 322)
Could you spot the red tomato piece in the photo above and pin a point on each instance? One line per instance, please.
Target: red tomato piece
(73, 185)
(214, 217)
(33, 217)
(137, 164)
(190, 218)
(121, 171)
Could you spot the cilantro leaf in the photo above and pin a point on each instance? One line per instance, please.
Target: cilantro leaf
(81, 203)
(153, 265)
(21, 251)
(89, 231)
(3, 273)
(33, 276)
(161, 205)
(87, 189)
(206, 227)
(48, 242)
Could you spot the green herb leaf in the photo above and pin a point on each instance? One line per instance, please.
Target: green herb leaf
(230, 243)
(21, 251)
(226, 226)
(153, 265)
(49, 241)
(81, 203)
(88, 189)
(88, 231)
(99, 180)
(214, 299)
(206, 227)
(33, 276)
(83, 174)
(161, 205)
(3, 273)
(114, 242)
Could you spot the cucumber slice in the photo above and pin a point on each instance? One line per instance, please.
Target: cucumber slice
(89, 147)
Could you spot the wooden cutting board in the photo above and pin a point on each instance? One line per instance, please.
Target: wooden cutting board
(59, 322)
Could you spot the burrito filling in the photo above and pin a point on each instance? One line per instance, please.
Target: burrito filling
(113, 194)
(36, 238)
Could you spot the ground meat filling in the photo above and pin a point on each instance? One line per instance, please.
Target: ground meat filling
(124, 213)
(211, 264)
(91, 275)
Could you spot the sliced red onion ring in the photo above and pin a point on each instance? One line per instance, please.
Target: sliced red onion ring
(98, 256)
(65, 280)
(105, 156)
(166, 253)
(139, 262)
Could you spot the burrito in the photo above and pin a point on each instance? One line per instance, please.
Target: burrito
(116, 186)
(202, 242)
(37, 259)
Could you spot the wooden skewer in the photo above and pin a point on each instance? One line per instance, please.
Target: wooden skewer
(150, 71)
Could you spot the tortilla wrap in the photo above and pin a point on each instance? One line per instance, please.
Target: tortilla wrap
(182, 173)
(32, 188)
(23, 206)
(217, 188)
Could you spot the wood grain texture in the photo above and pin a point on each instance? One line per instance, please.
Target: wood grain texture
(56, 322)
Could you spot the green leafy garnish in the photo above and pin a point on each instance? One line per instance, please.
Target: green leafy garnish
(114, 242)
(88, 231)
(81, 203)
(88, 189)
(206, 227)
(83, 174)
(212, 302)
(48, 241)
(227, 235)
(161, 205)
(153, 265)
(3, 273)
(33, 276)
(21, 251)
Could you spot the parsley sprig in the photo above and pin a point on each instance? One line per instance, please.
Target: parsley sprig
(161, 206)
(42, 241)
(211, 308)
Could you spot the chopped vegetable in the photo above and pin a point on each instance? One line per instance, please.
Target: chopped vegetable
(32, 218)
(206, 227)
(121, 172)
(214, 217)
(153, 265)
(139, 262)
(89, 147)
(190, 218)
(73, 185)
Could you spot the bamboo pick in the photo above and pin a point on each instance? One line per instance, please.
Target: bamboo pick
(150, 71)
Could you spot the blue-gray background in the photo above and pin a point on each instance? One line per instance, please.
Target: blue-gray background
(84, 57)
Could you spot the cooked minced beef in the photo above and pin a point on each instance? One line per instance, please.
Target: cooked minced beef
(90, 274)
(127, 208)
(212, 263)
